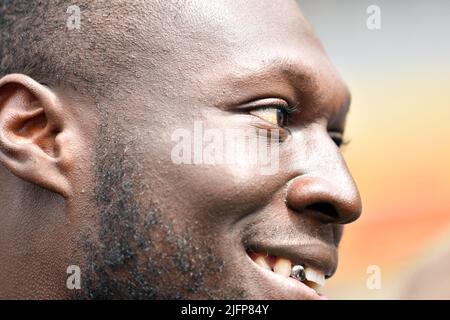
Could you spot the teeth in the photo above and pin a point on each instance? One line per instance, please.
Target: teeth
(283, 267)
(261, 261)
(315, 276)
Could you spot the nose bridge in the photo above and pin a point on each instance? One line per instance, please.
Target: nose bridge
(338, 178)
(325, 186)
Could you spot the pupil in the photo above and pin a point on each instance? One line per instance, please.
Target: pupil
(280, 117)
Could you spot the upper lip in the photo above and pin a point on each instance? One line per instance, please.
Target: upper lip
(316, 255)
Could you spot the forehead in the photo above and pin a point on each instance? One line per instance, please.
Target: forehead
(249, 46)
(250, 26)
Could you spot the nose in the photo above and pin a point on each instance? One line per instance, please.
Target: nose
(330, 199)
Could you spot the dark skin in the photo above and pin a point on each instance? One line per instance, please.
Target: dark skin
(96, 187)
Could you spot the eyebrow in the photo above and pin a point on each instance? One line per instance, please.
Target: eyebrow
(303, 80)
(284, 68)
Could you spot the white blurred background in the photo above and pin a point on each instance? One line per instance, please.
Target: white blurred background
(399, 126)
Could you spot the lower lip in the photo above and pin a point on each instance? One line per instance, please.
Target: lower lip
(291, 288)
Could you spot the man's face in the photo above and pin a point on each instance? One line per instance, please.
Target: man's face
(168, 230)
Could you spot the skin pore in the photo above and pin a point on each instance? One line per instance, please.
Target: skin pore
(86, 170)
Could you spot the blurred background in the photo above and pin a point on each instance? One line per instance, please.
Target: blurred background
(399, 128)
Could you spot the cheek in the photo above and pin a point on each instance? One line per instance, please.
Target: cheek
(200, 191)
(217, 194)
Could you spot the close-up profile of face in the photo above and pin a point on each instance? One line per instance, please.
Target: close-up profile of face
(91, 124)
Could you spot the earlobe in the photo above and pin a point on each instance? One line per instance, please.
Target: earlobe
(31, 124)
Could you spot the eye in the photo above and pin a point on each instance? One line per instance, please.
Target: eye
(338, 138)
(275, 115)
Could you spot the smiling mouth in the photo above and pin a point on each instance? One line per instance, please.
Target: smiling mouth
(283, 267)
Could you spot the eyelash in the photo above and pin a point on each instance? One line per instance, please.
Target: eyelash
(337, 137)
(288, 110)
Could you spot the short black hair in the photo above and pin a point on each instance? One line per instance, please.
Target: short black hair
(35, 40)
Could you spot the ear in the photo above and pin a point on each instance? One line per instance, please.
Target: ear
(32, 133)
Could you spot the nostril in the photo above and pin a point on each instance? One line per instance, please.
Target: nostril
(320, 199)
(324, 208)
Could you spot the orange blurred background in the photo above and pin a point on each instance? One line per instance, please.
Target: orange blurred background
(399, 127)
